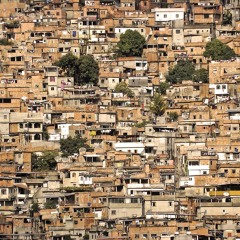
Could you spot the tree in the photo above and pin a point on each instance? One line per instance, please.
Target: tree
(12, 24)
(50, 204)
(67, 237)
(183, 70)
(5, 42)
(131, 44)
(216, 50)
(45, 162)
(35, 207)
(173, 116)
(86, 236)
(201, 75)
(141, 124)
(227, 18)
(122, 87)
(163, 88)
(68, 63)
(158, 105)
(87, 70)
(84, 70)
(70, 145)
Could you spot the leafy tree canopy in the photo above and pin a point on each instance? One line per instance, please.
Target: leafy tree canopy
(45, 162)
(141, 124)
(163, 88)
(158, 105)
(122, 87)
(50, 204)
(173, 116)
(227, 18)
(201, 75)
(5, 42)
(68, 63)
(85, 69)
(183, 70)
(35, 207)
(131, 44)
(216, 50)
(71, 145)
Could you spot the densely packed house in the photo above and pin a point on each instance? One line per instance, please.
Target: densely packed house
(137, 174)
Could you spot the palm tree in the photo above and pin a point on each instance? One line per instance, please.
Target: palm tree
(158, 105)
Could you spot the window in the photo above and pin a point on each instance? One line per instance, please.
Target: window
(52, 88)
(136, 235)
(52, 79)
(206, 15)
(177, 31)
(193, 163)
(177, 15)
(165, 15)
(3, 191)
(169, 204)
(204, 172)
(153, 204)
(37, 125)
(113, 212)
(225, 170)
(134, 200)
(233, 170)
(117, 200)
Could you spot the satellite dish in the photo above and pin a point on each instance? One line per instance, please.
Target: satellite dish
(82, 150)
(24, 98)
